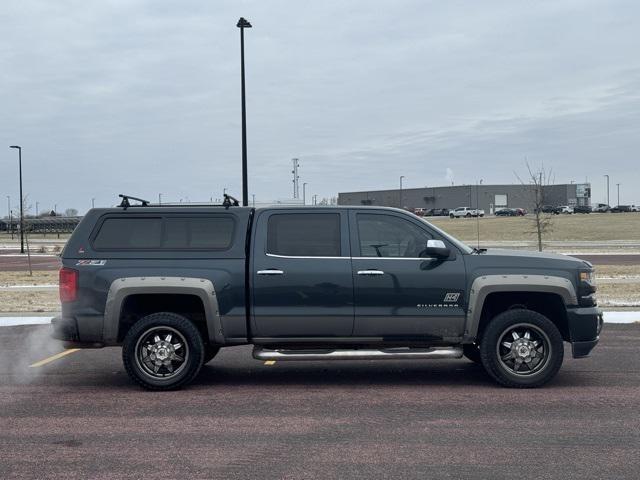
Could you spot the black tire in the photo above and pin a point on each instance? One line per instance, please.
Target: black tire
(468, 215)
(542, 361)
(210, 351)
(451, 215)
(472, 352)
(141, 352)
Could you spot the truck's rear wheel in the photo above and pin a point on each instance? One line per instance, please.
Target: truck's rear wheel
(521, 348)
(163, 351)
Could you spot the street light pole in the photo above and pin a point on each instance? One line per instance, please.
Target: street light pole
(37, 204)
(401, 177)
(608, 190)
(19, 148)
(242, 24)
(618, 185)
(159, 199)
(304, 193)
(93, 202)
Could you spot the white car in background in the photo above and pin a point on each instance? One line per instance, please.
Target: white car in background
(635, 208)
(566, 209)
(467, 212)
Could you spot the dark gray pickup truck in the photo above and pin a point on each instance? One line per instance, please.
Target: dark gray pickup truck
(174, 284)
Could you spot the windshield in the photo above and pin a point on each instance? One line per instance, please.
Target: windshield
(465, 248)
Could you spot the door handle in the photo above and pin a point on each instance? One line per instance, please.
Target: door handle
(270, 271)
(370, 272)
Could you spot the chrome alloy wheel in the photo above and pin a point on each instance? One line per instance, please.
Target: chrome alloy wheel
(161, 352)
(524, 349)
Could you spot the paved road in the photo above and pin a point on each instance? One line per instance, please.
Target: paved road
(16, 262)
(622, 259)
(80, 417)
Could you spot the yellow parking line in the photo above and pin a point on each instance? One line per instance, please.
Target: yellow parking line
(53, 357)
(270, 362)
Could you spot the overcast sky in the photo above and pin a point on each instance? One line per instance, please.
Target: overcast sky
(143, 97)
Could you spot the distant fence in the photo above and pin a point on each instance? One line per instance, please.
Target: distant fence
(41, 225)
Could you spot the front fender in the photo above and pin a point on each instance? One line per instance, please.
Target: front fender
(487, 284)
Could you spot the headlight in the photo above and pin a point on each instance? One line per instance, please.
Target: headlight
(586, 276)
(587, 289)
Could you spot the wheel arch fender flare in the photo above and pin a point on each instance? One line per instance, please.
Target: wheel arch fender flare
(485, 285)
(121, 288)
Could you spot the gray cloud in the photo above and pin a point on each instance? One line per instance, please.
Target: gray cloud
(143, 97)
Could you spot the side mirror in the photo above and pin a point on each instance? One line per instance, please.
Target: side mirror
(437, 248)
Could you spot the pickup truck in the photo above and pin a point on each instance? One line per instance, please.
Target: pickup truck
(467, 212)
(174, 284)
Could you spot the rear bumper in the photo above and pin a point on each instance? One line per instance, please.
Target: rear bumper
(66, 329)
(585, 325)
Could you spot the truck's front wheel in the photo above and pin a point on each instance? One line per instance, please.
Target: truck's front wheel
(163, 351)
(521, 348)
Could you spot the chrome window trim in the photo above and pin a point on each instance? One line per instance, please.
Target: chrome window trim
(302, 256)
(350, 258)
(393, 258)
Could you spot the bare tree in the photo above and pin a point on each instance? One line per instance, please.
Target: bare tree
(71, 212)
(538, 180)
(26, 208)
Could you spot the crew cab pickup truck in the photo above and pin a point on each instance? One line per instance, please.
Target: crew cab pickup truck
(174, 284)
(461, 212)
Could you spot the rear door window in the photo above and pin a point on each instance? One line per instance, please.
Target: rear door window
(304, 235)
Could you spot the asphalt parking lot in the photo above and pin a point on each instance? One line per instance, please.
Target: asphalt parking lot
(79, 416)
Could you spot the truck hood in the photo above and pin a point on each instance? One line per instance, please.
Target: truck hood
(529, 259)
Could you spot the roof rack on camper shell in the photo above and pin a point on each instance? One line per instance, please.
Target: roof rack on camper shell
(228, 201)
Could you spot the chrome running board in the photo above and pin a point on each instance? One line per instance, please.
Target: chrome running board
(260, 353)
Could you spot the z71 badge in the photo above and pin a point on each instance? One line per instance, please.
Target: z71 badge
(91, 263)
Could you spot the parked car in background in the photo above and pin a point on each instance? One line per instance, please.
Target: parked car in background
(521, 211)
(550, 209)
(621, 208)
(466, 212)
(582, 209)
(568, 209)
(601, 208)
(419, 212)
(635, 208)
(506, 212)
(437, 212)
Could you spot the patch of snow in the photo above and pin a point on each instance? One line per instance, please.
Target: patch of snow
(13, 321)
(618, 303)
(621, 317)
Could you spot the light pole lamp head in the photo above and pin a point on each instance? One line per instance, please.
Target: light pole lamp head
(243, 23)
(15, 146)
